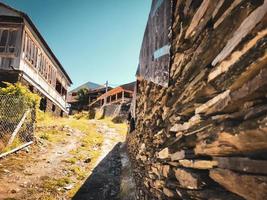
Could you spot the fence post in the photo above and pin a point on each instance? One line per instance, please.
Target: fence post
(18, 127)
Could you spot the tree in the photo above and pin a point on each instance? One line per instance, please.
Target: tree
(83, 98)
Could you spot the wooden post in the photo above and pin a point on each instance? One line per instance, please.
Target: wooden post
(18, 127)
(105, 100)
(16, 149)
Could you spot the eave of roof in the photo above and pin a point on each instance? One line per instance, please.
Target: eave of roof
(114, 91)
(28, 19)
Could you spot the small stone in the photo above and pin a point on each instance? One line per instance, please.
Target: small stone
(13, 191)
(6, 171)
(166, 170)
(168, 192)
(178, 155)
(69, 187)
(88, 160)
(27, 149)
(163, 154)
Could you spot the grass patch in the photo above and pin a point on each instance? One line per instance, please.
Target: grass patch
(72, 160)
(51, 135)
(92, 137)
(51, 184)
(16, 143)
(79, 172)
(121, 128)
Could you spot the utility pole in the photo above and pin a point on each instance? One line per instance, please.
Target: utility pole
(105, 101)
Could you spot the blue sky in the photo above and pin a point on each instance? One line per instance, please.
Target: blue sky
(94, 40)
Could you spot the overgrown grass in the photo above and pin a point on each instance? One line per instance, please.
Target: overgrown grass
(16, 143)
(90, 142)
(52, 135)
(92, 137)
(120, 127)
(51, 184)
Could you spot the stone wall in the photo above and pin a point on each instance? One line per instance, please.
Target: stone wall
(205, 136)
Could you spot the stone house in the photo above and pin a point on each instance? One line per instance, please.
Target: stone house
(26, 57)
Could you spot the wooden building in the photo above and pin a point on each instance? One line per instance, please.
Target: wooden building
(118, 95)
(94, 91)
(26, 57)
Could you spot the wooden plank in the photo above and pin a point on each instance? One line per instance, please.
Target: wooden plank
(248, 186)
(16, 149)
(18, 127)
(242, 164)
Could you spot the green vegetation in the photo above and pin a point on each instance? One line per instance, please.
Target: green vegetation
(16, 143)
(22, 93)
(79, 172)
(52, 130)
(51, 184)
(81, 115)
(15, 100)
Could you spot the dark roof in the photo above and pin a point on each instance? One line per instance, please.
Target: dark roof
(28, 19)
(88, 85)
(129, 86)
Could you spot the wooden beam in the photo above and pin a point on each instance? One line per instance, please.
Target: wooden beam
(16, 149)
(18, 127)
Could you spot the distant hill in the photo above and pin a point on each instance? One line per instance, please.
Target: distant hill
(88, 85)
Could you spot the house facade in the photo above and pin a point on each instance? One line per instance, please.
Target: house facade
(94, 90)
(118, 95)
(26, 57)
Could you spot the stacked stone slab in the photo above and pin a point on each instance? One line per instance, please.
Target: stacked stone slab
(205, 136)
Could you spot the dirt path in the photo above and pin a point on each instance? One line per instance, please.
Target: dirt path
(23, 173)
(104, 182)
(41, 172)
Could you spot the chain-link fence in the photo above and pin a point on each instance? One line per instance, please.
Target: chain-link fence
(16, 122)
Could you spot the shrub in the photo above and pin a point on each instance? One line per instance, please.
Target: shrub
(19, 91)
(81, 115)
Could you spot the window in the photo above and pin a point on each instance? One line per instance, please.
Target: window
(12, 41)
(8, 40)
(3, 40)
(61, 113)
(39, 60)
(53, 108)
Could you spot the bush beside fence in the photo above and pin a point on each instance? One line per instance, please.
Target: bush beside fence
(16, 122)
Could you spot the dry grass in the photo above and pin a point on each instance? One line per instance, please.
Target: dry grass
(92, 137)
(89, 147)
(120, 127)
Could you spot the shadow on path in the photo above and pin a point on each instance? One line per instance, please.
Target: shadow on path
(104, 182)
